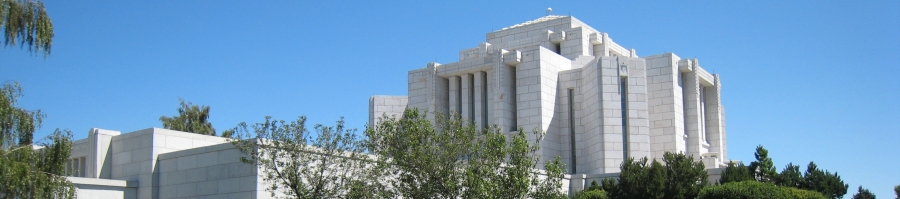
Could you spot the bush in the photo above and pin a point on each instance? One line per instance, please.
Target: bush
(591, 194)
(756, 190)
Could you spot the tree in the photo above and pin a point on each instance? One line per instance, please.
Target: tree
(329, 163)
(684, 177)
(451, 158)
(26, 172)
(897, 191)
(863, 194)
(735, 173)
(790, 176)
(191, 118)
(26, 22)
(827, 183)
(640, 179)
(763, 169)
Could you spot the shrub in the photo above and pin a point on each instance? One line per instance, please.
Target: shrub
(756, 190)
(591, 194)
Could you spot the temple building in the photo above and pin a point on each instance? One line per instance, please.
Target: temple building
(597, 101)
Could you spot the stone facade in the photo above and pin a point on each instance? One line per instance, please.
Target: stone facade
(597, 102)
(160, 164)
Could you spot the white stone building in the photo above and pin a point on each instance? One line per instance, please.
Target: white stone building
(597, 101)
(161, 164)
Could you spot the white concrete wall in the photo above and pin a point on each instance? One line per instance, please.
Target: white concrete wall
(134, 155)
(383, 105)
(208, 172)
(102, 188)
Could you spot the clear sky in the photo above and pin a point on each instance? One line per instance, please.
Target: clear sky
(812, 81)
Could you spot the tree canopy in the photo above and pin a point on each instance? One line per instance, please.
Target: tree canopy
(863, 194)
(26, 23)
(191, 118)
(297, 162)
(27, 171)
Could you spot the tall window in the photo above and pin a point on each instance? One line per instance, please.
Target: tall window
(76, 167)
(703, 114)
(514, 97)
(623, 92)
(484, 99)
(572, 127)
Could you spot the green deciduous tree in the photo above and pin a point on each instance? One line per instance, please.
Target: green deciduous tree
(26, 172)
(827, 183)
(326, 163)
(25, 22)
(863, 194)
(735, 173)
(451, 158)
(763, 169)
(191, 118)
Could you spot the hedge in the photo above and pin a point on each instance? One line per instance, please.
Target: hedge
(591, 194)
(756, 190)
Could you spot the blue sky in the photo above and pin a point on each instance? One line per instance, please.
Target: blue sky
(811, 81)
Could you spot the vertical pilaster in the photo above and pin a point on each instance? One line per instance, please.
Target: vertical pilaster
(480, 102)
(455, 103)
(467, 103)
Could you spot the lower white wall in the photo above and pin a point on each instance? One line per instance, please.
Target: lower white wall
(103, 188)
(208, 172)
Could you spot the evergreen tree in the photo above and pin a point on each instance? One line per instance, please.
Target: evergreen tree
(735, 173)
(790, 176)
(684, 177)
(863, 194)
(897, 191)
(763, 169)
(827, 183)
(640, 179)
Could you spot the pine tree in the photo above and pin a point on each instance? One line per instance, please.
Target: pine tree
(763, 169)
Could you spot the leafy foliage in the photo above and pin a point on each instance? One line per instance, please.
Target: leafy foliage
(191, 118)
(26, 22)
(763, 169)
(302, 164)
(755, 190)
(26, 172)
(863, 194)
(451, 158)
(735, 173)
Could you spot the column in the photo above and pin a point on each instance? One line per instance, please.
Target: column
(480, 101)
(454, 96)
(467, 97)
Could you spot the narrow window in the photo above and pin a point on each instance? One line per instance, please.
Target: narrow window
(458, 91)
(83, 168)
(703, 114)
(484, 100)
(77, 167)
(572, 127)
(514, 97)
(623, 92)
(471, 98)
